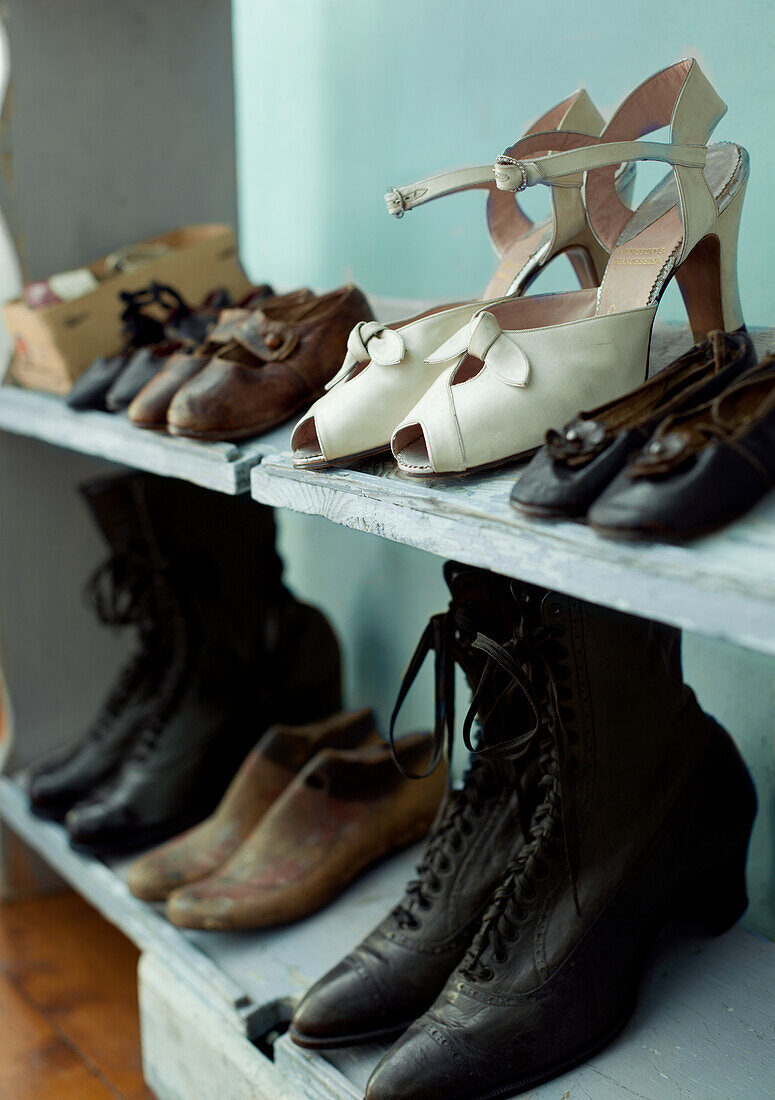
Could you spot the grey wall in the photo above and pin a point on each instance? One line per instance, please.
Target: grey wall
(118, 124)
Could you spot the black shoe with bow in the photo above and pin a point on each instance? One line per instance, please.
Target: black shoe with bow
(627, 836)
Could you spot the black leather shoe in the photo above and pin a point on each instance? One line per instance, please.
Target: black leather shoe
(243, 654)
(627, 837)
(140, 330)
(400, 967)
(576, 464)
(701, 470)
(140, 368)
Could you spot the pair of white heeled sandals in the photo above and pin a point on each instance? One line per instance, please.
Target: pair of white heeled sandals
(473, 385)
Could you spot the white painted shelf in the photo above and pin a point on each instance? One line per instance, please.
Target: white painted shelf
(257, 978)
(704, 1028)
(224, 467)
(722, 585)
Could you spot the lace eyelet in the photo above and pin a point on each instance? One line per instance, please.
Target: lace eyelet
(486, 974)
(501, 957)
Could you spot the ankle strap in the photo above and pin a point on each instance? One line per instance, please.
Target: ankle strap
(506, 221)
(400, 199)
(577, 112)
(515, 175)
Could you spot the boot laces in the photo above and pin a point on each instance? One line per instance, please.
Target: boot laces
(447, 636)
(534, 667)
(120, 592)
(445, 844)
(553, 831)
(517, 891)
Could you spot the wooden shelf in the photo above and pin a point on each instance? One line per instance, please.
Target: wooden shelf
(256, 979)
(723, 585)
(703, 1027)
(224, 467)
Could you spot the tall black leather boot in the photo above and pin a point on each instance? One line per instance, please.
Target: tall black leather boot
(128, 591)
(627, 837)
(401, 966)
(243, 653)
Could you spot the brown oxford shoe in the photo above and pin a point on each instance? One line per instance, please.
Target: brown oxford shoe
(274, 368)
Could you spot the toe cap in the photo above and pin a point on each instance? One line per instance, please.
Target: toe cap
(345, 1005)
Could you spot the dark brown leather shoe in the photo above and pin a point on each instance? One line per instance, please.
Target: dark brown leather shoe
(344, 811)
(264, 775)
(397, 971)
(627, 837)
(576, 464)
(701, 470)
(150, 406)
(274, 368)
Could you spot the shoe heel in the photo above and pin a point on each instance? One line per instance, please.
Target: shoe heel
(708, 276)
(588, 259)
(715, 904)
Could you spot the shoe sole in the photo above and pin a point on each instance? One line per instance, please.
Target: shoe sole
(147, 838)
(336, 1041)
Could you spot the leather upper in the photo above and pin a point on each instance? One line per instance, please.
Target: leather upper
(575, 465)
(701, 469)
(274, 366)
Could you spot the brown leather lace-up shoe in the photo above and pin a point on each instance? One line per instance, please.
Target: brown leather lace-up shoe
(397, 971)
(273, 369)
(344, 811)
(266, 772)
(149, 408)
(627, 837)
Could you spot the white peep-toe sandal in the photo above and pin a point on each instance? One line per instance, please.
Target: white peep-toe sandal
(386, 370)
(518, 368)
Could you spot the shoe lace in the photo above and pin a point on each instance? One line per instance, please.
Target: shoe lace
(120, 593)
(446, 636)
(553, 832)
(511, 902)
(445, 843)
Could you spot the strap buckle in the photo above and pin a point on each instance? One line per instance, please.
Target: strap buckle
(395, 202)
(505, 180)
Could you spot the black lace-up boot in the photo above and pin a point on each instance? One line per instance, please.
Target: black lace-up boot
(398, 970)
(627, 837)
(238, 652)
(128, 591)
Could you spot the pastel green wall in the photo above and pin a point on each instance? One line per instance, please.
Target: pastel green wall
(336, 99)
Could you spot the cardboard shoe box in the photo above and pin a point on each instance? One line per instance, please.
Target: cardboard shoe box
(53, 345)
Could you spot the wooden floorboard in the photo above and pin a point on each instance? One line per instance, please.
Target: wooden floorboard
(68, 1004)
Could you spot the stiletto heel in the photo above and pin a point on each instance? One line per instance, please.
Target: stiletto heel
(521, 367)
(588, 259)
(708, 276)
(386, 369)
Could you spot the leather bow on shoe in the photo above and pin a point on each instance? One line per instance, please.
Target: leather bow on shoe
(484, 339)
(370, 340)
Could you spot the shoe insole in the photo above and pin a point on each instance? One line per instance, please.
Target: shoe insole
(643, 258)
